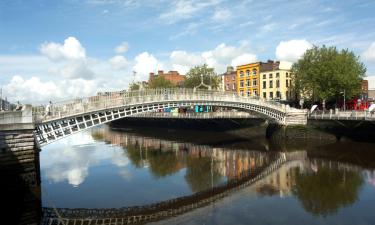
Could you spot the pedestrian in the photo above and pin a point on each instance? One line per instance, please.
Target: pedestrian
(49, 109)
(18, 106)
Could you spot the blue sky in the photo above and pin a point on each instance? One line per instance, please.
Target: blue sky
(59, 49)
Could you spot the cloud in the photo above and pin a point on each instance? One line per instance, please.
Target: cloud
(74, 70)
(189, 30)
(219, 57)
(221, 15)
(184, 9)
(122, 48)
(144, 64)
(292, 50)
(369, 53)
(244, 59)
(118, 62)
(71, 49)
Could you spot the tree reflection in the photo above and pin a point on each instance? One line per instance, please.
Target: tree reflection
(324, 192)
(164, 163)
(199, 175)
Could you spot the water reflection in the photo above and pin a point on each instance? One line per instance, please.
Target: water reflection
(124, 169)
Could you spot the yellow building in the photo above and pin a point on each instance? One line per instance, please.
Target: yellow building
(248, 79)
(275, 82)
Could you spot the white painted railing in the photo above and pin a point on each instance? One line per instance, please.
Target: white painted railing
(112, 100)
(342, 115)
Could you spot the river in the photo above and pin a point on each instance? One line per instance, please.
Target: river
(213, 177)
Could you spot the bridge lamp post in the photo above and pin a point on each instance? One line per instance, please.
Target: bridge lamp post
(343, 92)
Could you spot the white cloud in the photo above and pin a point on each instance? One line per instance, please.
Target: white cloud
(122, 48)
(218, 58)
(118, 62)
(33, 89)
(222, 15)
(71, 49)
(292, 50)
(74, 70)
(369, 54)
(144, 64)
(245, 58)
(184, 9)
(189, 30)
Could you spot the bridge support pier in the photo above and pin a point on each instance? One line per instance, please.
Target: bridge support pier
(19, 168)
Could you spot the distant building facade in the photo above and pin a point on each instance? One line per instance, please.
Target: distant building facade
(268, 80)
(275, 80)
(364, 90)
(173, 76)
(229, 81)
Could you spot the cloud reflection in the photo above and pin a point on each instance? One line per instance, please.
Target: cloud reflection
(70, 159)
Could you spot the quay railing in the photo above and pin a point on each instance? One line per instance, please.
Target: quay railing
(110, 100)
(193, 115)
(341, 115)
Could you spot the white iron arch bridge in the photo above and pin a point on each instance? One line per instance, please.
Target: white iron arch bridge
(69, 117)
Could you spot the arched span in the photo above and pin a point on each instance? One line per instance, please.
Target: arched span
(73, 116)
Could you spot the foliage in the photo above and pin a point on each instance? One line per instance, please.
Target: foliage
(324, 72)
(193, 77)
(160, 82)
(134, 86)
(324, 192)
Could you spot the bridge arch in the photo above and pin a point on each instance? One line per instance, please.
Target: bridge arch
(76, 115)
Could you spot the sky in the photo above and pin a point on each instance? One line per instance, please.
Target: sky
(60, 49)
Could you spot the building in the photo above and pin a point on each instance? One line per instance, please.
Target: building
(275, 80)
(247, 79)
(5, 105)
(364, 90)
(229, 82)
(173, 76)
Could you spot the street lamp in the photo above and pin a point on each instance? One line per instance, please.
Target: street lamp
(343, 92)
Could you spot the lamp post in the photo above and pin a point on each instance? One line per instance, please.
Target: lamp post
(343, 92)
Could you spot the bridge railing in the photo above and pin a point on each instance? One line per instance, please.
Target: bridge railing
(192, 115)
(112, 100)
(341, 115)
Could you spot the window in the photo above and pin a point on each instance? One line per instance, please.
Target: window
(264, 84)
(234, 87)
(264, 76)
(287, 83)
(254, 72)
(227, 87)
(271, 95)
(248, 83)
(233, 77)
(287, 95)
(278, 95)
(241, 93)
(270, 76)
(248, 93)
(277, 83)
(277, 75)
(287, 74)
(255, 93)
(271, 84)
(264, 95)
(248, 73)
(241, 73)
(241, 83)
(254, 82)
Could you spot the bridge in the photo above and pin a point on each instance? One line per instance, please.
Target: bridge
(69, 117)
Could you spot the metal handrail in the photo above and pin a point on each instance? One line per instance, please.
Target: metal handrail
(114, 99)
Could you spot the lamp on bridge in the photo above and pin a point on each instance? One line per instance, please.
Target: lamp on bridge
(343, 92)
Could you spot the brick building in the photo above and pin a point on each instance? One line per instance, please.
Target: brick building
(229, 79)
(173, 76)
(364, 90)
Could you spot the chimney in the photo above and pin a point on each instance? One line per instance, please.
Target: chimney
(229, 69)
(160, 72)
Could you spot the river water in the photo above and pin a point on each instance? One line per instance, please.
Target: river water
(233, 179)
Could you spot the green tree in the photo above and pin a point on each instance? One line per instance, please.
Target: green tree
(193, 77)
(134, 86)
(160, 82)
(324, 72)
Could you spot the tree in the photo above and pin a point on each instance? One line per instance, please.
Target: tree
(160, 82)
(134, 86)
(324, 72)
(193, 77)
